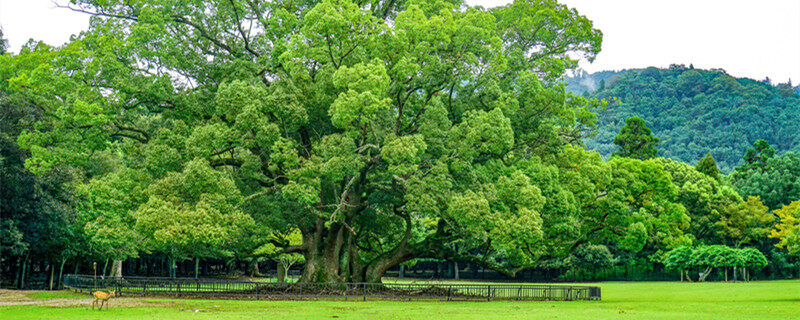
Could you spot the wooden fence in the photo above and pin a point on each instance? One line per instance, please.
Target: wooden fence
(228, 288)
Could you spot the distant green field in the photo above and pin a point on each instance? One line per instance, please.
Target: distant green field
(621, 300)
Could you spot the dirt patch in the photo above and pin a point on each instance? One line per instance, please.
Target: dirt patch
(21, 298)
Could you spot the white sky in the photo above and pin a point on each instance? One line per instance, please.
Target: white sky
(748, 38)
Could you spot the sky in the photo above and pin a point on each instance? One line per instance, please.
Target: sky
(748, 38)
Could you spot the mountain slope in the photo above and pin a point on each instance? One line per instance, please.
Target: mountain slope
(695, 111)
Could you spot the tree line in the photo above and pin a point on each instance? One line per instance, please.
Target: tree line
(349, 138)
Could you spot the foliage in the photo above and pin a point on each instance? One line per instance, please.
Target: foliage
(708, 166)
(786, 230)
(589, 257)
(776, 180)
(383, 133)
(635, 140)
(695, 112)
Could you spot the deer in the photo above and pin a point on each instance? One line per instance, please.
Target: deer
(103, 298)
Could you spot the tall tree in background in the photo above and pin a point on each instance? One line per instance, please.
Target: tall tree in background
(708, 166)
(635, 140)
(758, 155)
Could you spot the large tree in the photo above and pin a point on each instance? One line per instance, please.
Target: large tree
(383, 131)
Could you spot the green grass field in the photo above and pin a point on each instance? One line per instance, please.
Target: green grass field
(621, 300)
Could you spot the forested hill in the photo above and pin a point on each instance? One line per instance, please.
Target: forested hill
(695, 111)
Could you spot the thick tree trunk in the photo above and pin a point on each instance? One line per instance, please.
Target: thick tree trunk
(681, 272)
(281, 275)
(455, 270)
(254, 269)
(116, 268)
(726, 274)
(196, 267)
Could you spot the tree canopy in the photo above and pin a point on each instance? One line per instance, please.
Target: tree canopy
(635, 140)
(382, 132)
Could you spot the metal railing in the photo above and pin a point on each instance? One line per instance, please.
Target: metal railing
(227, 288)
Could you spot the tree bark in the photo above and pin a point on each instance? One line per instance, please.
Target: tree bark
(61, 272)
(52, 274)
(402, 272)
(196, 267)
(254, 269)
(171, 267)
(281, 275)
(22, 271)
(455, 270)
(704, 274)
(116, 268)
(105, 268)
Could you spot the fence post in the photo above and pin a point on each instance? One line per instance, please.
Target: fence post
(450, 293)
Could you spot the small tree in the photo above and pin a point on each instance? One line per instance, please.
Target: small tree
(635, 140)
(707, 258)
(680, 259)
(285, 259)
(726, 257)
(751, 259)
(708, 166)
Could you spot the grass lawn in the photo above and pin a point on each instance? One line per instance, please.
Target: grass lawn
(621, 300)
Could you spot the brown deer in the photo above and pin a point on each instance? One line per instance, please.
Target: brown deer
(103, 298)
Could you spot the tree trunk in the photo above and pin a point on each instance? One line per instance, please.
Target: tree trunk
(61, 272)
(105, 268)
(726, 274)
(22, 271)
(52, 274)
(402, 272)
(116, 268)
(171, 267)
(254, 268)
(703, 275)
(455, 270)
(197, 267)
(681, 272)
(281, 275)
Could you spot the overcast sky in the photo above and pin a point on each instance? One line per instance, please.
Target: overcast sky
(748, 38)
